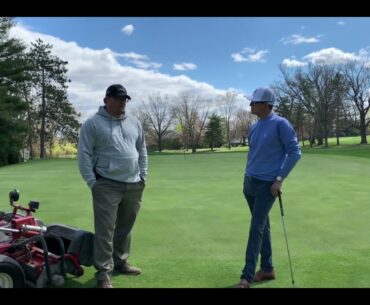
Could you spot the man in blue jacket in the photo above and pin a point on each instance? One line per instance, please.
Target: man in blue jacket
(273, 152)
(112, 159)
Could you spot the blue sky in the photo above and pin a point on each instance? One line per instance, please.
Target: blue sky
(203, 56)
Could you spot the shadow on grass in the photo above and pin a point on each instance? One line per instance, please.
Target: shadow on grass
(73, 283)
(198, 152)
(235, 285)
(253, 285)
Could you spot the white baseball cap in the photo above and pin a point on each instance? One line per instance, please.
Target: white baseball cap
(263, 95)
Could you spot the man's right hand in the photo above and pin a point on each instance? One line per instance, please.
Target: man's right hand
(276, 188)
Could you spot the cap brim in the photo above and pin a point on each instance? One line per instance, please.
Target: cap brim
(122, 95)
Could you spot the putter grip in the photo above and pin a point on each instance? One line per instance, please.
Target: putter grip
(281, 204)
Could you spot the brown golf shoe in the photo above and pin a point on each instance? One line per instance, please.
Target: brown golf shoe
(264, 276)
(104, 284)
(243, 284)
(127, 269)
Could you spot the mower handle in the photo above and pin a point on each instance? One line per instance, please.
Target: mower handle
(24, 228)
(41, 229)
(4, 229)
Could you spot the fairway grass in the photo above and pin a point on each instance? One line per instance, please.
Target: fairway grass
(193, 226)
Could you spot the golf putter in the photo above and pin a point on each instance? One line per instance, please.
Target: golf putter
(286, 239)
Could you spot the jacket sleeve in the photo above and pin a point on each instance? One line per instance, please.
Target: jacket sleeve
(86, 145)
(143, 156)
(291, 146)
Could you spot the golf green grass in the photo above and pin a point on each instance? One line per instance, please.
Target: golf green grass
(193, 225)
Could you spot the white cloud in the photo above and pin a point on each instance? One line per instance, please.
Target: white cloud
(258, 56)
(330, 56)
(184, 66)
(139, 60)
(340, 23)
(92, 71)
(249, 55)
(364, 54)
(128, 29)
(237, 57)
(299, 39)
(292, 63)
(134, 56)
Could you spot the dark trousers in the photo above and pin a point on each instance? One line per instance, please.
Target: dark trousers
(260, 201)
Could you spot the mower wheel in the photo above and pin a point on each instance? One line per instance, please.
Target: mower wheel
(11, 273)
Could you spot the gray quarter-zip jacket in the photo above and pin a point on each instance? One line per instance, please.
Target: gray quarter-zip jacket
(113, 148)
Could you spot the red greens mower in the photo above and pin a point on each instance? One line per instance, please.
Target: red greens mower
(38, 256)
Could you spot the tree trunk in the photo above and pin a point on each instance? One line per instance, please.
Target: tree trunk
(50, 149)
(228, 138)
(30, 140)
(363, 128)
(30, 148)
(29, 121)
(159, 143)
(43, 115)
(302, 137)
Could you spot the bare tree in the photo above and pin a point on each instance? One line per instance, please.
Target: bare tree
(242, 122)
(290, 108)
(159, 116)
(142, 117)
(319, 91)
(191, 113)
(357, 74)
(227, 107)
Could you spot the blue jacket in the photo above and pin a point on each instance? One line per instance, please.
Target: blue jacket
(273, 148)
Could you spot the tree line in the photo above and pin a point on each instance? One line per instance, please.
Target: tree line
(326, 100)
(34, 106)
(320, 100)
(188, 122)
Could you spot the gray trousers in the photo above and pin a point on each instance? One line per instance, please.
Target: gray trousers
(116, 205)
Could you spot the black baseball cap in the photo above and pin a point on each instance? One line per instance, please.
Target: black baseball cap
(117, 90)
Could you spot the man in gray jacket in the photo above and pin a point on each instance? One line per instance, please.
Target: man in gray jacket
(113, 161)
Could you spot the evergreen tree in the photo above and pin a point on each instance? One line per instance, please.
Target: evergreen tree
(214, 132)
(12, 72)
(61, 119)
(49, 78)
